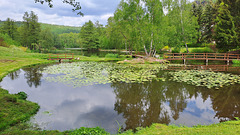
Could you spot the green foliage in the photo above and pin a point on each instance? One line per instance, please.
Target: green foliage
(225, 29)
(202, 50)
(22, 95)
(176, 50)
(194, 45)
(89, 131)
(6, 40)
(30, 31)
(111, 55)
(60, 29)
(89, 36)
(9, 27)
(70, 40)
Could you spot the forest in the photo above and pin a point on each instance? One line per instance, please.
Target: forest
(137, 25)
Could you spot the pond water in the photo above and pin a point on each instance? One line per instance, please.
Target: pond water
(129, 105)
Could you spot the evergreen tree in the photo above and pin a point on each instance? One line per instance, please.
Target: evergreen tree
(9, 27)
(89, 36)
(30, 30)
(208, 22)
(225, 34)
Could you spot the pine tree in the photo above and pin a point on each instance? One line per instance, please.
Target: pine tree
(208, 22)
(30, 30)
(225, 34)
(9, 27)
(89, 36)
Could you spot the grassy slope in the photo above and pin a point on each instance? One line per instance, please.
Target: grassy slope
(14, 111)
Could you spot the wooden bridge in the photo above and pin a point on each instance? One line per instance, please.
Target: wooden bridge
(201, 56)
(61, 57)
(205, 67)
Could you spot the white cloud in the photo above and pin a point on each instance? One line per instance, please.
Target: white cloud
(60, 14)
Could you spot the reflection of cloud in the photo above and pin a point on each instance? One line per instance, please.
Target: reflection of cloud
(202, 105)
(197, 112)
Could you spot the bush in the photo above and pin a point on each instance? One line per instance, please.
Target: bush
(8, 40)
(111, 55)
(236, 62)
(176, 50)
(202, 50)
(22, 95)
(89, 131)
(125, 56)
(94, 56)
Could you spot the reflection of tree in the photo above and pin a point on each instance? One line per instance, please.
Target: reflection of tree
(144, 104)
(14, 75)
(33, 75)
(226, 102)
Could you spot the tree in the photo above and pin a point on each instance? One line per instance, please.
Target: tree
(208, 22)
(89, 36)
(225, 34)
(46, 39)
(9, 27)
(29, 32)
(185, 23)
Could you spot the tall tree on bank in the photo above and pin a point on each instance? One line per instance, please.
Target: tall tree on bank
(30, 30)
(225, 34)
(89, 36)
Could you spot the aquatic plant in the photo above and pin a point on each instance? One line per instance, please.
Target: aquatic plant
(205, 78)
(89, 73)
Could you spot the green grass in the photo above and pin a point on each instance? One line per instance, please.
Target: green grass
(197, 50)
(97, 59)
(14, 109)
(225, 128)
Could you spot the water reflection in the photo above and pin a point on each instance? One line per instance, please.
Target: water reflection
(178, 103)
(14, 75)
(132, 105)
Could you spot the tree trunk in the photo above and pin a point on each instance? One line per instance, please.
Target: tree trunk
(184, 38)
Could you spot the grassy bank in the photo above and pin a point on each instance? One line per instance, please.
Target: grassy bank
(225, 128)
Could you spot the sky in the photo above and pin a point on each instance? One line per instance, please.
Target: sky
(60, 14)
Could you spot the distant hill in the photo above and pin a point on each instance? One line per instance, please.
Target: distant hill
(59, 29)
(56, 29)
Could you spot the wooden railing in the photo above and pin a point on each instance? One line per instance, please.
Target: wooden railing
(201, 56)
(61, 56)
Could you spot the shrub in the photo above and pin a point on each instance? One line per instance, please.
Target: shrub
(89, 131)
(22, 95)
(111, 55)
(195, 45)
(8, 40)
(125, 56)
(236, 62)
(176, 50)
(94, 56)
(202, 50)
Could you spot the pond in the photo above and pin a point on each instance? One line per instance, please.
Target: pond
(68, 103)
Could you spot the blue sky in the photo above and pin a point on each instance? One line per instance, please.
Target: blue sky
(60, 14)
